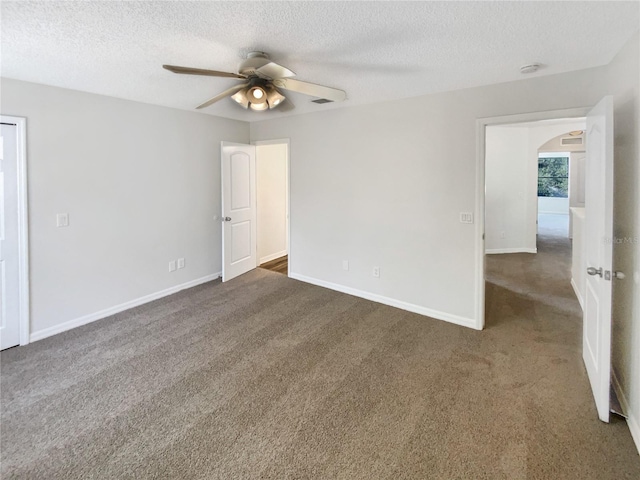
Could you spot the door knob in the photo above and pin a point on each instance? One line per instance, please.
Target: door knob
(226, 219)
(594, 271)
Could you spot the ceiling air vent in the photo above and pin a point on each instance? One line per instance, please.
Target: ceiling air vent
(571, 141)
(321, 100)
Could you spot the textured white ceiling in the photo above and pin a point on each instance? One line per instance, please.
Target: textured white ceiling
(375, 51)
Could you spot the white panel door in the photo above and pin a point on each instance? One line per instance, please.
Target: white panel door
(9, 278)
(239, 242)
(596, 328)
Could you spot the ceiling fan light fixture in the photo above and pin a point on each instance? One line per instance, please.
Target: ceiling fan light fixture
(274, 97)
(257, 95)
(259, 106)
(241, 98)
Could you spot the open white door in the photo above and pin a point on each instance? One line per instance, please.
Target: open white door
(596, 329)
(239, 243)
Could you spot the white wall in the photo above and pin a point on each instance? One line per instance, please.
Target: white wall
(511, 179)
(141, 185)
(271, 183)
(507, 190)
(578, 273)
(383, 185)
(623, 80)
(577, 178)
(554, 205)
(555, 144)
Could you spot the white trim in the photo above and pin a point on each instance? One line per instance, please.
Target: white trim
(410, 307)
(577, 292)
(480, 256)
(23, 225)
(481, 125)
(92, 317)
(554, 154)
(492, 251)
(632, 421)
(273, 256)
(287, 142)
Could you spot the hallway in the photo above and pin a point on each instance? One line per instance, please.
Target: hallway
(519, 278)
(530, 301)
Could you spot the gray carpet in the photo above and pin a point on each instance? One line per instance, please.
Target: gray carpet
(268, 377)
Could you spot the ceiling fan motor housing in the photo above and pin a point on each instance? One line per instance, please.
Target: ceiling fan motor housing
(254, 61)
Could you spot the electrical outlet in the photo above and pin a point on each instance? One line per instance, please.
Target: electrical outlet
(172, 266)
(503, 235)
(376, 272)
(181, 263)
(62, 220)
(345, 264)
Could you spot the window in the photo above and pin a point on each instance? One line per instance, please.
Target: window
(553, 177)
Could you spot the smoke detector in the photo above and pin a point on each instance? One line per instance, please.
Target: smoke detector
(530, 68)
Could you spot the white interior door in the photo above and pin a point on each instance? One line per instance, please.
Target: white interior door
(239, 241)
(596, 334)
(9, 277)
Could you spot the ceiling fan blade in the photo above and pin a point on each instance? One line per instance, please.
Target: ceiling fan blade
(222, 95)
(273, 70)
(200, 71)
(311, 89)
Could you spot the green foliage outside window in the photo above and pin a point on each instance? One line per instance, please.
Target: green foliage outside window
(553, 177)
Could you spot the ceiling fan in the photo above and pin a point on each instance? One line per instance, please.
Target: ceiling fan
(262, 81)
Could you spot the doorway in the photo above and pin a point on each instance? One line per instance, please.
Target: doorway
(532, 189)
(527, 179)
(272, 193)
(14, 281)
(598, 253)
(255, 211)
(535, 189)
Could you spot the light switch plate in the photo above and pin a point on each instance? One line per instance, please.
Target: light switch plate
(62, 220)
(181, 263)
(345, 264)
(172, 266)
(466, 217)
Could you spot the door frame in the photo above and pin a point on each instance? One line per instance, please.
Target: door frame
(23, 225)
(287, 142)
(481, 125)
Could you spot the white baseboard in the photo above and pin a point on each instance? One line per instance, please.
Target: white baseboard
(491, 251)
(632, 421)
(577, 292)
(92, 317)
(447, 317)
(273, 256)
